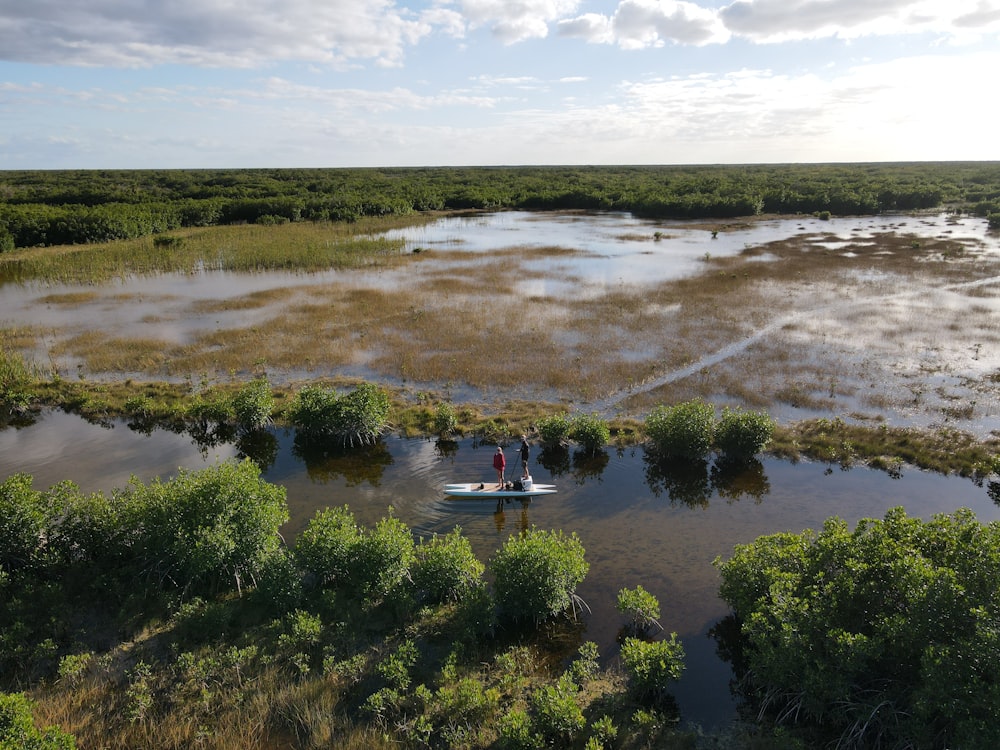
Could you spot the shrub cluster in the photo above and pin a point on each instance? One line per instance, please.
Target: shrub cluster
(359, 416)
(884, 636)
(689, 431)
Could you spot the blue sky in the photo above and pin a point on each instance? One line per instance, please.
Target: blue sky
(342, 83)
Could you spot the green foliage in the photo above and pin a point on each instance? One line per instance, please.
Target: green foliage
(367, 563)
(15, 377)
(884, 635)
(517, 732)
(590, 431)
(739, 434)
(18, 731)
(7, 244)
(325, 549)
(642, 608)
(993, 220)
(536, 574)
(253, 404)
(652, 666)
(554, 429)
(202, 530)
(557, 713)
(382, 558)
(445, 568)
(445, 420)
(586, 665)
(683, 431)
(358, 416)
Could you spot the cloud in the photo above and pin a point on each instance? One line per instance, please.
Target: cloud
(221, 33)
(637, 24)
(785, 20)
(513, 21)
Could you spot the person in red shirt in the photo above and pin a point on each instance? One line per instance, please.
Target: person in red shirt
(499, 463)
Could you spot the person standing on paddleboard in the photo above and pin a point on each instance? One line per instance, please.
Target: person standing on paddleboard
(499, 463)
(525, 450)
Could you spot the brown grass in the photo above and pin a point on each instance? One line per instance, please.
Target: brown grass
(854, 321)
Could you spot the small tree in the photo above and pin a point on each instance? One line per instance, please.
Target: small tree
(446, 567)
(554, 430)
(652, 665)
(326, 547)
(445, 421)
(252, 405)
(536, 574)
(682, 431)
(590, 431)
(642, 608)
(740, 435)
(359, 416)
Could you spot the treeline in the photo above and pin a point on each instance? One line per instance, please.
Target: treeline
(64, 207)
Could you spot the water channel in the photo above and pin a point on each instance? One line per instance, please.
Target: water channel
(639, 524)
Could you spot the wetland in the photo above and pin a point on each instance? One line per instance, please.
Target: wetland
(885, 322)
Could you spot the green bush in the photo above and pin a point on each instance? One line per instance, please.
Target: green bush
(446, 567)
(652, 666)
(326, 547)
(740, 435)
(203, 529)
(445, 421)
(557, 714)
(359, 416)
(517, 732)
(554, 429)
(536, 574)
(993, 220)
(684, 431)
(884, 635)
(18, 731)
(382, 558)
(364, 563)
(642, 608)
(252, 405)
(590, 431)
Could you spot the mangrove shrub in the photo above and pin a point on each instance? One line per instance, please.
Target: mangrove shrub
(359, 416)
(884, 636)
(685, 430)
(445, 567)
(590, 431)
(739, 434)
(536, 574)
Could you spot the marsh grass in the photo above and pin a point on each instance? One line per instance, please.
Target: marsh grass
(858, 319)
(299, 246)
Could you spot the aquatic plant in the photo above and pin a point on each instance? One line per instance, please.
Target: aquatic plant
(739, 434)
(685, 430)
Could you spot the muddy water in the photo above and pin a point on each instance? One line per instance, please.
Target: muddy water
(638, 524)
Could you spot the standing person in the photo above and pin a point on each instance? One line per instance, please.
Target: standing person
(499, 463)
(525, 450)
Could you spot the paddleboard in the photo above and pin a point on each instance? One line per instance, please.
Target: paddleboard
(490, 489)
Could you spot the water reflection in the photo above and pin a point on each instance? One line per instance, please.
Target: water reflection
(640, 520)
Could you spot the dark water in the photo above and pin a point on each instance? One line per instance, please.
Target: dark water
(639, 523)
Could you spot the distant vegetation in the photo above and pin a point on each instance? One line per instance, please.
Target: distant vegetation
(66, 207)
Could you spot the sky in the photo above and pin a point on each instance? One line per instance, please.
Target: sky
(132, 84)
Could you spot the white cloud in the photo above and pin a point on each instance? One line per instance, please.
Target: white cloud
(514, 21)
(248, 33)
(785, 20)
(637, 24)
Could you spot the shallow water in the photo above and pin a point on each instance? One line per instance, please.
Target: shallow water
(638, 525)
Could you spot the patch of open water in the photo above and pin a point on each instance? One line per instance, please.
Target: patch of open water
(638, 524)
